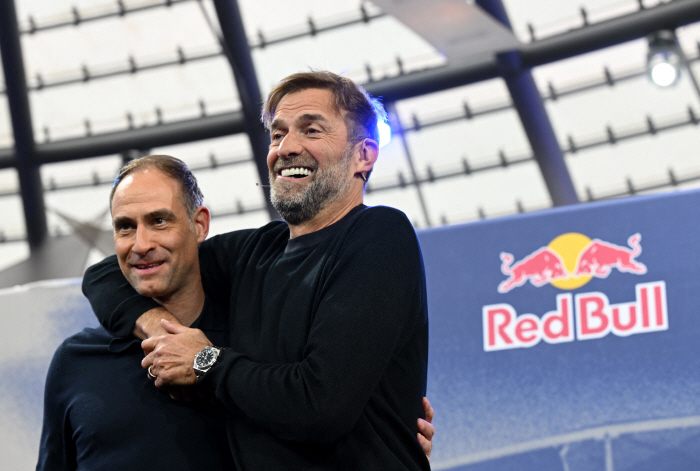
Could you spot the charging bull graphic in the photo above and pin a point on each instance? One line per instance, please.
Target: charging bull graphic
(599, 258)
(540, 267)
(570, 261)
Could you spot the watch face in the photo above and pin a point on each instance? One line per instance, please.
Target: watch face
(206, 357)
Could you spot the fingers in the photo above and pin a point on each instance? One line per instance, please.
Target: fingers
(150, 344)
(148, 360)
(428, 410)
(426, 444)
(151, 374)
(172, 327)
(426, 429)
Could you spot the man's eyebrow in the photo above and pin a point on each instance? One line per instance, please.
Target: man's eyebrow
(302, 119)
(160, 213)
(121, 220)
(276, 124)
(307, 117)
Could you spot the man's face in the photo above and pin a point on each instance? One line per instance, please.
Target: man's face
(154, 238)
(309, 159)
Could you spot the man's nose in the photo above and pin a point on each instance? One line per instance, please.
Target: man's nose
(143, 241)
(290, 146)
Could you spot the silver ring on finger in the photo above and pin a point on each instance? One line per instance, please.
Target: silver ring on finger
(151, 375)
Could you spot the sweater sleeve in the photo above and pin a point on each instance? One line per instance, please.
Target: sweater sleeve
(57, 450)
(372, 300)
(115, 303)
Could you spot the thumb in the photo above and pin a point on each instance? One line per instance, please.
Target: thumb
(172, 327)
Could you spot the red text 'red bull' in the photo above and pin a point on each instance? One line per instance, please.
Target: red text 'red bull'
(569, 262)
(581, 317)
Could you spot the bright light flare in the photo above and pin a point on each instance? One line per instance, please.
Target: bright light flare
(664, 74)
(664, 59)
(384, 133)
(664, 68)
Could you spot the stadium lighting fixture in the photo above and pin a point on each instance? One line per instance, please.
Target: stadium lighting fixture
(664, 60)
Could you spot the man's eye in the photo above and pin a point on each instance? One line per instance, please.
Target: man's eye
(277, 136)
(124, 227)
(159, 221)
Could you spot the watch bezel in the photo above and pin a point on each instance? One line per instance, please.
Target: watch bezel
(201, 368)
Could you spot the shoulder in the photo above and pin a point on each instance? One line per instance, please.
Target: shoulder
(87, 339)
(384, 216)
(241, 238)
(377, 232)
(383, 221)
(76, 344)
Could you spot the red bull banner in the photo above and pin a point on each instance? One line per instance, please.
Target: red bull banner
(568, 339)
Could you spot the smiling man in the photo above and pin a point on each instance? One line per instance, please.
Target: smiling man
(326, 363)
(99, 410)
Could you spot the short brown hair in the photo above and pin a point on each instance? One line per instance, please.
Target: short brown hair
(178, 170)
(362, 112)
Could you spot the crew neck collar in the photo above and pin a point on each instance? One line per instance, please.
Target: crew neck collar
(312, 239)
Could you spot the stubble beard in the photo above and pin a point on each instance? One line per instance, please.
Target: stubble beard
(297, 206)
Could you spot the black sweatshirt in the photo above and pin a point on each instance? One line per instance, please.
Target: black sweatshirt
(327, 360)
(101, 412)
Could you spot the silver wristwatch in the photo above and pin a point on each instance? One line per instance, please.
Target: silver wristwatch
(205, 359)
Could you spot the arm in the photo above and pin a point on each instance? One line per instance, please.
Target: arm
(115, 303)
(120, 309)
(56, 448)
(372, 300)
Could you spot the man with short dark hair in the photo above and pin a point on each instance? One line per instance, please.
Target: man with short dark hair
(326, 363)
(99, 410)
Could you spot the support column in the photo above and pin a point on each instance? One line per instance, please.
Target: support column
(18, 101)
(528, 102)
(238, 53)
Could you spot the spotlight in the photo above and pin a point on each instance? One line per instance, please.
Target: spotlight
(384, 133)
(664, 58)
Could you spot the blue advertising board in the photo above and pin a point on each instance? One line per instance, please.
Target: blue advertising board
(568, 339)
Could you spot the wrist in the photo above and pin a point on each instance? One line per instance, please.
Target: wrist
(148, 324)
(206, 359)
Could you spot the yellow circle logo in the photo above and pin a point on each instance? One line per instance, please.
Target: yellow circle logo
(569, 246)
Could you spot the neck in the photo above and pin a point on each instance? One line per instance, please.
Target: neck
(331, 214)
(186, 304)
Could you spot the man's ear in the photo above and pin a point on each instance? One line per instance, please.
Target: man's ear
(368, 153)
(201, 220)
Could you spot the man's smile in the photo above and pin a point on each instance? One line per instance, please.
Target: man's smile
(295, 172)
(145, 268)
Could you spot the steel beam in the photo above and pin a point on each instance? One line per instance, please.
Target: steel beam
(235, 44)
(561, 46)
(23, 132)
(149, 137)
(533, 116)
(557, 47)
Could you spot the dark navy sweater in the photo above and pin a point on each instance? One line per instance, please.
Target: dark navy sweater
(102, 412)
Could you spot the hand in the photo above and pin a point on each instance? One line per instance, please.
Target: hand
(171, 356)
(426, 429)
(149, 325)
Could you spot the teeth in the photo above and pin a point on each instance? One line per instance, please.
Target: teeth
(293, 172)
(149, 266)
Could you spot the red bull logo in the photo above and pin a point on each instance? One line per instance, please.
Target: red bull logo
(570, 261)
